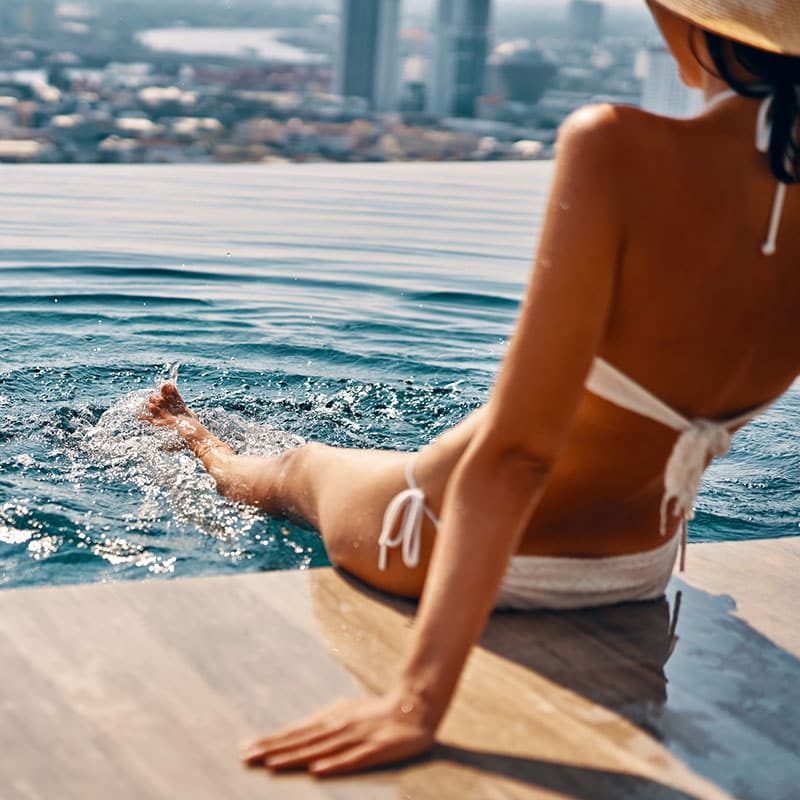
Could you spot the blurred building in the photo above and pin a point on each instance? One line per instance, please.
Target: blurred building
(413, 97)
(36, 17)
(585, 20)
(521, 74)
(462, 43)
(367, 65)
(663, 91)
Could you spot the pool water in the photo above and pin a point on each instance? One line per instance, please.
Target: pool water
(366, 306)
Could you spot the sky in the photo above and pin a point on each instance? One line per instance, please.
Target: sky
(623, 5)
(611, 3)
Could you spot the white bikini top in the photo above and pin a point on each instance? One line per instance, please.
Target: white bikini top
(700, 439)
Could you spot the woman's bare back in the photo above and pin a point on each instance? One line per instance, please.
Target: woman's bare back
(701, 318)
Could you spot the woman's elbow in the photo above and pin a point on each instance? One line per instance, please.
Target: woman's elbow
(515, 462)
(510, 451)
(530, 466)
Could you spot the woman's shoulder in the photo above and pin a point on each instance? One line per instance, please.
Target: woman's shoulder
(609, 124)
(615, 140)
(610, 118)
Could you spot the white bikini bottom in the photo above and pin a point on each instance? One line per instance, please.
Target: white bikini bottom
(556, 582)
(531, 582)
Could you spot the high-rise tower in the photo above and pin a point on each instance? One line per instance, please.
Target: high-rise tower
(27, 16)
(368, 58)
(462, 45)
(663, 92)
(585, 20)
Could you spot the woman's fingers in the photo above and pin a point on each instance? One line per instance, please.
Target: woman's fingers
(319, 726)
(370, 754)
(302, 756)
(349, 736)
(263, 749)
(361, 756)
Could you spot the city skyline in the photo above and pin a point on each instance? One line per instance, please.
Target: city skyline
(186, 81)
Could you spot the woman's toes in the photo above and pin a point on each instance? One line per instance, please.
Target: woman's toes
(169, 391)
(171, 398)
(166, 407)
(155, 410)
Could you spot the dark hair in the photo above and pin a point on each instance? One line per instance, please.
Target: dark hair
(774, 74)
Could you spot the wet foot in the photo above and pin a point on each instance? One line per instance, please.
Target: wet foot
(167, 409)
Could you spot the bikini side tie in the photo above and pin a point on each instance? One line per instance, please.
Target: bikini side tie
(411, 503)
(696, 445)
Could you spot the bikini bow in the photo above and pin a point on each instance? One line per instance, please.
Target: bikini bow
(411, 503)
(684, 470)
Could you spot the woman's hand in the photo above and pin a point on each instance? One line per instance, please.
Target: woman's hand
(347, 736)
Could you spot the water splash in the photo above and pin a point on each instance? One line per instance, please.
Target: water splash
(171, 369)
(172, 482)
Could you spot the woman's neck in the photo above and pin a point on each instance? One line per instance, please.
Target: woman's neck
(713, 86)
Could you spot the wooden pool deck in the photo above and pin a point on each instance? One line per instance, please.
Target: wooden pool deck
(144, 690)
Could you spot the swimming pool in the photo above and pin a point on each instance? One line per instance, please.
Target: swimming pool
(365, 305)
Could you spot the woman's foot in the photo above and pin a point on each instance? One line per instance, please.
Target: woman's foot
(167, 409)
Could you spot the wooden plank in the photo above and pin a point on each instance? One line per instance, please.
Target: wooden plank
(144, 690)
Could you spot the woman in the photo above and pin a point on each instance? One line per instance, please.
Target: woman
(666, 252)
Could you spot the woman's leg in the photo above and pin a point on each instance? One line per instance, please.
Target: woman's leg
(342, 492)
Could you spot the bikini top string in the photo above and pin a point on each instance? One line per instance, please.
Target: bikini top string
(763, 134)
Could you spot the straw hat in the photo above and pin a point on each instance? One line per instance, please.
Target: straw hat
(772, 25)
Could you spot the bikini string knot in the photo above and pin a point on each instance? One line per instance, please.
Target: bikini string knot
(699, 442)
(411, 504)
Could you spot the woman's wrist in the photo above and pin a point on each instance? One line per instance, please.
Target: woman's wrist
(420, 700)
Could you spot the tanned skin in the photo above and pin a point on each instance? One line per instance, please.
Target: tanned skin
(650, 257)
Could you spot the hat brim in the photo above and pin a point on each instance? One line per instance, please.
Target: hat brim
(770, 25)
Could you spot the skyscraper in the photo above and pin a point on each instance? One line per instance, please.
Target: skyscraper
(462, 44)
(27, 16)
(368, 58)
(663, 92)
(585, 20)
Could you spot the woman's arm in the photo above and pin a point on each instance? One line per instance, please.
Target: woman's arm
(497, 483)
(500, 478)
